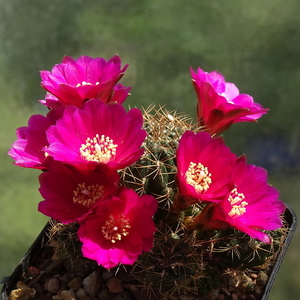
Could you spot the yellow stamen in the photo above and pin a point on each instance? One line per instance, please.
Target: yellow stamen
(100, 149)
(238, 206)
(115, 228)
(87, 196)
(198, 176)
(86, 83)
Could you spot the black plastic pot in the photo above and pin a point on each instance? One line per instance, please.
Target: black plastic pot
(291, 219)
(35, 249)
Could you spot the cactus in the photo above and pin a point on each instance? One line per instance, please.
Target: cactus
(235, 249)
(154, 173)
(183, 261)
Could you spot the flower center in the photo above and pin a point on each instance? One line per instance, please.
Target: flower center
(115, 228)
(86, 83)
(87, 196)
(238, 206)
(101, 149)
(45, 153)
(198, 176)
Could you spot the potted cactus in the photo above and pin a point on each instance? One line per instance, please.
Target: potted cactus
(145, 204)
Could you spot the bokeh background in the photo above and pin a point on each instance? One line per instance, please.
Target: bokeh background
(255, 44)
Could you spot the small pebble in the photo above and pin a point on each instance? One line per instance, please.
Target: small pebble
(81, 293)
(22, 294)
(262, 279)
(107, 274)
(115, 285)
(67, 295)
(52, 285)
(75, 283)
(92, 284)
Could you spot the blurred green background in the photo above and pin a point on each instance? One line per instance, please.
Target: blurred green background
(255, 44)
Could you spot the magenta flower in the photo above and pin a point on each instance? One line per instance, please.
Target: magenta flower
(97, 134)
(69, 193)
(220, 104)
(51, 101)
(29, 149)
(76, 80)
(120, 93)
(204, 168)
(253, 204)
(119, 229)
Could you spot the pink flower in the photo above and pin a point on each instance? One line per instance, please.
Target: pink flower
(253, 204)
(119, 229)
(51, 101)
(29, 149)
(220, 104)
(69, 193)
(77, 80)
(97, 134)
(204, 168)
(119, 95)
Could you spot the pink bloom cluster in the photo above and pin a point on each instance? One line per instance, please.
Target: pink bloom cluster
(80, 145)
(237, 193)
(87, 137)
